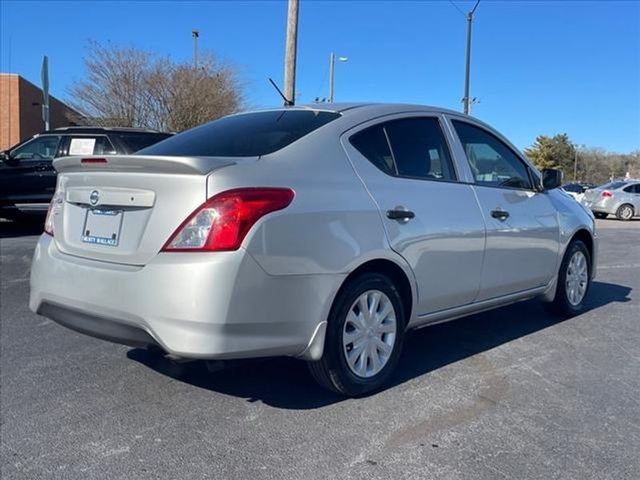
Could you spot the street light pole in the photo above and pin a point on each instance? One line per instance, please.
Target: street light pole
(332, 68)
(332, 65)
(466, 100)
(195, 34)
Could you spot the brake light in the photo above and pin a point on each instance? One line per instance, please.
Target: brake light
(48, 221)
(606, 194)
(93, 160)
(54, 209)
(223, 221)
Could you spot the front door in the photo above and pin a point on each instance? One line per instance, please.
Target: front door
(430, 218)
(29, 174)
(522, 225)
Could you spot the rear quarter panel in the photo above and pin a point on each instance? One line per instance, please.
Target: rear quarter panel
(332, 226)
(332, 221)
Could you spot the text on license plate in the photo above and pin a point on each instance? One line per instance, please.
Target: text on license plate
(102, 227)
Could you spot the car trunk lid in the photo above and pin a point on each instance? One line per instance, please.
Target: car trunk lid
(122, 209)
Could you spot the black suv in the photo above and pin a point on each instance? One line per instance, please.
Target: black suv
(27, 177)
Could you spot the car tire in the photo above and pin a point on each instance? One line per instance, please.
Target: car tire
(574, 280)
(600, 215)
(360, 367)
(625, 212)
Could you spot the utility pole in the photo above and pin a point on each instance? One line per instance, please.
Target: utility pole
(45, 92)
(466, 100)
(575, 163)
(195, 34)
(290, 53)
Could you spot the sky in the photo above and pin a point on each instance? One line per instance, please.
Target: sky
(538, 67)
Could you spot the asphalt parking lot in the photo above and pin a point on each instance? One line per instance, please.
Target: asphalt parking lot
(513, 393)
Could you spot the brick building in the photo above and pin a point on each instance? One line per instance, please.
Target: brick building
(21, 110)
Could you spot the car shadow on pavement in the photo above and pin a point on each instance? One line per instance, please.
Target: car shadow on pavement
(286, 382)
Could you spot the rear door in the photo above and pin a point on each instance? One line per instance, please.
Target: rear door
(632, 196)
(522, 224)
(430, 218)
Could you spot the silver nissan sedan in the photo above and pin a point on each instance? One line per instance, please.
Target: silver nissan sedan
(322, 232)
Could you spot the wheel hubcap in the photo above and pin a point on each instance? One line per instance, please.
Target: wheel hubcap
(577, 278)
(369, 333)
(626, 213)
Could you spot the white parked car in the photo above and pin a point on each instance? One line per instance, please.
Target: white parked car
(620, 198)
(321, 232)
(576, 189)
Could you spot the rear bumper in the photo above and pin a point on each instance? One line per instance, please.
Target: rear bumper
(96, 326)
(216, 305)
(606, 205)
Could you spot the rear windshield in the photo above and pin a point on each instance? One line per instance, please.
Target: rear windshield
(138, 141)
(245, 135)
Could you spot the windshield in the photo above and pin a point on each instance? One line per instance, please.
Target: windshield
(245, 135)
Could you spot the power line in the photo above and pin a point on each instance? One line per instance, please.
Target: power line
(457, 8)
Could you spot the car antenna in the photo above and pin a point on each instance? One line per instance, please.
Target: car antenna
(287, 102)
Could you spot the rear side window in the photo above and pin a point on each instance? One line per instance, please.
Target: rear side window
(372, 143)
(411, 147)
(244, 135)
(84, 145)
(492, 163)
(633, 188)
(419, 149)
(138, 141)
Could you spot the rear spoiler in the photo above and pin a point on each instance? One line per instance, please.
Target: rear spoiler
(145, 164)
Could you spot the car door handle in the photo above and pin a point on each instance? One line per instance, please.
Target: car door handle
(500, 214)
(400, 214)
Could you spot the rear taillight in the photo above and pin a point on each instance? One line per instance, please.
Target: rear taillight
(606, 194)
(223, 221)
(54, 209)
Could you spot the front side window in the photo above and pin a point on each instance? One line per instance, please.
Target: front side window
(38, 149)
(244, 135)
(492, 163)
(410, 147)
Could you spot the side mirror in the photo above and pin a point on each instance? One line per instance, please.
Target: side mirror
(8, 159)
(551, 178)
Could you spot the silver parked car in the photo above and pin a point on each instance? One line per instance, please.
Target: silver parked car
(321, 232)
(619, 198)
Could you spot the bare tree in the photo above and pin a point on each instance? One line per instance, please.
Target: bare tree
(129, 87)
